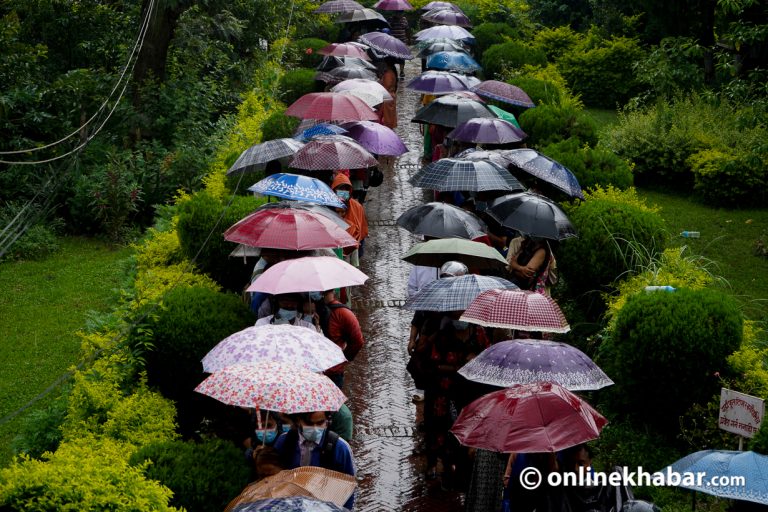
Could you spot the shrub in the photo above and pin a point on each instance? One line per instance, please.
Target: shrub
(154, 282)
(556, 41)
(279, 126)
(296, 83)
(759, 443)
(547, 124)
(672, 67)
(40, 431)
(592, 166)
(204, 476)
(159, 248)
(728, 177)
(540, 91)
(305, 51)
(489, 34)
(666, 351)
(511, 54)
(624, 444)
(38, 239)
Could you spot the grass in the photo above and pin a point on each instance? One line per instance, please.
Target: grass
(42, 305)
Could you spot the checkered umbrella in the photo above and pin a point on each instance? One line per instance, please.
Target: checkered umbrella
(504, 92)
(344, 50)
(446, 31)
(256, 157)
(522, 310)
(442, 220)
(451, 174)
(337, 6)
(297, 188)
(363, 14)
(454, 293)
(447, 16)
(527, 361)
(544, 168)
(475, 255)
(451, 111)
(329, 106)
(333, 152)
(493, 155)
(387, 44)
(532, 215)
(441, 5)
(341, 73)
(485, 130)
(438, 82)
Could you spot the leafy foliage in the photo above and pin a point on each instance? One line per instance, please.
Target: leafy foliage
(547, 124)
(670, 68)
(727, 177)
(41, 430)
(279, 126)
(510, 55)
(489, 34)
(296, 83)
(39, 240)
(592, 166)
(305, 52)
(556, 42)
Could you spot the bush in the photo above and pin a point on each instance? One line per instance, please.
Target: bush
(512, 55)
(727, 177)
(547, 124)
(556, 41)
(489, 34)
(279, 126)
(39, 239)
(305, 51)
(204, 476)
(592, 166)
(296, 83)
(40, 431)
(666, 352)
(541, 92)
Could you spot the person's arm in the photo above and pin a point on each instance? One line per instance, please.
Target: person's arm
(535, 262)
(508, 470)
(354, 334)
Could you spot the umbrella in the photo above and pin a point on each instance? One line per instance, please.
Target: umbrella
(370, 86)
(446, 31)
(472, 81)
(371, 98)
(276, 343)
(318, 130)
(387, 44)
(447, 16)
(469, 95)
(332, 152)
(336, 6)
(444, 46)
(504, 92)
(532, 215)
(312, 207)
(344, 50)
(363, 14)
(451, 174)
(441, 5)
(420, 45)
(292, 229)
(297, 188)
(752, 467)
(393, 5)
(307, 275)
(291, 504)
(476, 255)
(545, 169)
(526, 418)
(485, 130)
(511, 362)
(453, 60)
(330, 62)
(281, 387)
(438, 82)
(257, 156)
(442, 220)
(346, 72)
(503, 114)
(329, 106)
(376, 138)
(451, 111)
(454, 293)
(522, 310)
(493, 155)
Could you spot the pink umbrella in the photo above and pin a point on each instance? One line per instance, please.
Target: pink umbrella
(393, 5)
(309, 274)
(289, 228)
(328, 106)
(271, 386)
(344, 49)
(362, 84)
(332, 152)
(516, 309)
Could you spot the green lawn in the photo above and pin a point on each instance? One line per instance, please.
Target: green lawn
(42, 305)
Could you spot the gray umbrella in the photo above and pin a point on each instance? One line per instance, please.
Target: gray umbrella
(332, 61)
(532, 215)
(346, 72)
(442, 220)
(452, 174)
(454, 293)
(257, 156)
(451, 111)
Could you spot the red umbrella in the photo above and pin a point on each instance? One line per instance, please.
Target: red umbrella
(522, 310)
(289, 228)
(332, 152)
(344, 49)
(329, 106)
(526, 418)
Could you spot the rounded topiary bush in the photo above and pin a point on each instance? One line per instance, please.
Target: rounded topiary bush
(510, 55)
(279, 126)
(556, 41)
(592, 166)
(547, 124)
(540, 91)
(306, 51)
(296, 83)
(665, 352)
(203, 476)
(488, 34)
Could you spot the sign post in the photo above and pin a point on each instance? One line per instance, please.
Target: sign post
(741, 414)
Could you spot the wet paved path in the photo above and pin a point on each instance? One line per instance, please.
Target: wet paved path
(390, 473)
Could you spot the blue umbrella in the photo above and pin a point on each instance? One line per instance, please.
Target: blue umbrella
(318, 130)
(454, 61)
(297, 188)
(544, 168)
(292, 504)
(723, 463)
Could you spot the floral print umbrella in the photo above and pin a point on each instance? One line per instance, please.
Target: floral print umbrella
(281, 387)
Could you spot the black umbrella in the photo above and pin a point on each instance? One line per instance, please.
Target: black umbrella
(346, 72)
(451, 111)
(532, 215)
(256, 157)
(451, 174)
(331, 61)
(442, 220)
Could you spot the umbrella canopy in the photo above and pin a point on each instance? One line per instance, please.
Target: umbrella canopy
(532, 215)
(329, 106)
(503, 114)
(333, 61)
(344, 50)
(290, 504)
(318, 130)
(307, 275)
(370, 86)
(476, 255)
(485, 130)
(545, 169)
(511, 362)
(256, 157)
(277, 343)
(504, 92)
(371, 98)
(522, 310)
(441, 5)
(376, 138)
(337, 6)
(447, 16)
(451, 111)
(526, 418)
(387, 44)
(451, 174)
(443, 46)
(393, 5)
(446, 31)
(332, 152)
(453, 60)
(346, 72)
(292, 229)
(438, 82)
(420, 45)
(442, 220)
(364, 14)
(493, 155)
(454, 293)
(724, 463)
(281, 387)
(312, 207)
(297, 188)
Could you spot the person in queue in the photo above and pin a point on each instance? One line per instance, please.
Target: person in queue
(354, 215)
(340, 325)
(287, 313)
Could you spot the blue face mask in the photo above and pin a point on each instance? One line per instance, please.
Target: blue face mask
(343, 194)
(285, 314)
(308, 318)
(314, 434)
(286, 427)
(315, 296)
(271, 435)
(460, 325)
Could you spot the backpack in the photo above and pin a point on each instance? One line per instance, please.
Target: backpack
(324, 313)
(327, 451)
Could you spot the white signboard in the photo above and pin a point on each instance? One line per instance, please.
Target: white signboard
(740, 413)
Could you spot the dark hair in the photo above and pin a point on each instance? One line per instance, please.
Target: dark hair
(305, 416)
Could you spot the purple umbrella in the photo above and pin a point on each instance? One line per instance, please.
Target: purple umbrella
(393, 5)
(336, 6)
(386, 44)
(447, 17)
(438, 82)
(504, 92)
(441, 5)
(446, 31)
(376, 138)
(485, 130)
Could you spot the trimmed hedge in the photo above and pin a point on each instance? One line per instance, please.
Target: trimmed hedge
(593, 166)
(279, 126)
(296, 83)
(510, 55)
(547, 124)
(489, 34)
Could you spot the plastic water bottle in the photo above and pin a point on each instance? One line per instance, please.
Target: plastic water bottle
(667, 288)
(690, 234)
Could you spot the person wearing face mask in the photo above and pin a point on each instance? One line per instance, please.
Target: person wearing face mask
(354, 215)
(287, 313)
(264, 436)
